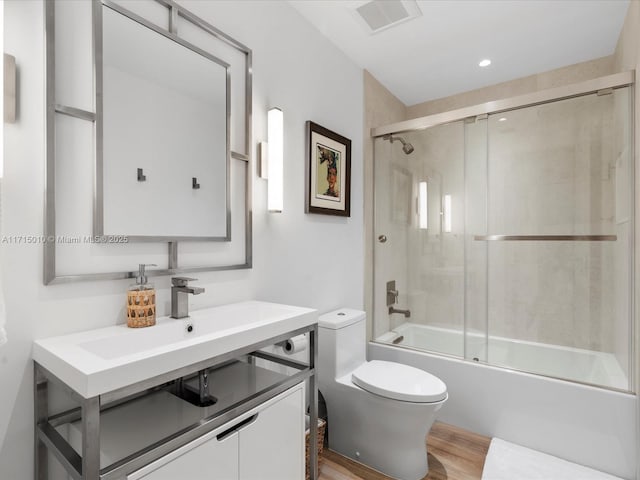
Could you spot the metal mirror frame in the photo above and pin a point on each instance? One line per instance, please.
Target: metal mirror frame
(174, 11)
(99, 204)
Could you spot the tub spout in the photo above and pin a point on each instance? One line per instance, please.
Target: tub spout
(406, 313)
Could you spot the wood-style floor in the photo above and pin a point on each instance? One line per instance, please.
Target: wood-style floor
(454, 454)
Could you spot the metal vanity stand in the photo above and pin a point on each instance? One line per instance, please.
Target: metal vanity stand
(83, 462)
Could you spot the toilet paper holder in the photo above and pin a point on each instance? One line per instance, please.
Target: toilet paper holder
(293, 345)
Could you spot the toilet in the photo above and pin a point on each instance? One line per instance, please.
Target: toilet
(379, 412)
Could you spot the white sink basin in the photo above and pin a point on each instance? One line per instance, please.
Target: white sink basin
(125, 343)
(98, 361)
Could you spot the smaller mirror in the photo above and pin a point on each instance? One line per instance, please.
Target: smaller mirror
(165, 164)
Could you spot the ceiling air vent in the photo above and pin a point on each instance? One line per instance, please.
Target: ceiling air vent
(378, 15)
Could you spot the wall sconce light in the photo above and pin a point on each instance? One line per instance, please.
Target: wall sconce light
(447, 213)
(9, 88)
(423, 219)
(8, 80)
(275, 155)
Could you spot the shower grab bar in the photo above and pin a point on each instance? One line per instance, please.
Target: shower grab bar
(549, 238)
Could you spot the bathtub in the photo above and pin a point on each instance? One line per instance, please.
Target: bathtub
(576, 364)
(581, 423)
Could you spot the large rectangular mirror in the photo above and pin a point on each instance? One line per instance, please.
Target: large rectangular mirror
(165, 127)
(140, 85)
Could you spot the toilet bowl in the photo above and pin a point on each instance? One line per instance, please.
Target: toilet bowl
(379, 412)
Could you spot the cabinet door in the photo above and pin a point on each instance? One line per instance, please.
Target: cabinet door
(272, 447)
(211, 459)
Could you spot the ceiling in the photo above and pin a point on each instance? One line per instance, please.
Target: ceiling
(436, 54)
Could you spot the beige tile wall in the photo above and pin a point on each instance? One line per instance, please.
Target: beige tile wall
(436, 268)
(381, 108)
(552, 172)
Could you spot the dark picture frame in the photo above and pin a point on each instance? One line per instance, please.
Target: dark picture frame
(328, 172)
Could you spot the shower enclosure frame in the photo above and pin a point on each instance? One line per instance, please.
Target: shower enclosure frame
(600, 85)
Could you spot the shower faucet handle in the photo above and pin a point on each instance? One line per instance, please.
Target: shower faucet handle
(392, 293)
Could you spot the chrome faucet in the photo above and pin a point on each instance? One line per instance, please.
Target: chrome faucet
(392, 299)
(406, 313)
(180, 290)
(392, 293)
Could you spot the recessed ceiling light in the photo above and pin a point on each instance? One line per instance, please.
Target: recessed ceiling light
(485, 63)
(502, 119)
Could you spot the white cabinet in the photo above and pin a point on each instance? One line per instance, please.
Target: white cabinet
(208, 457)
(272, 447)
(265, 443)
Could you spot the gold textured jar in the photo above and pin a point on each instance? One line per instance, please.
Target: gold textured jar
(141, 301)
(141, 307)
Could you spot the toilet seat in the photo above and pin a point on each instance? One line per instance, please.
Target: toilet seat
(399, 382)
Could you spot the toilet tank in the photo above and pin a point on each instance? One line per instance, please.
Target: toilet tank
(342, 344)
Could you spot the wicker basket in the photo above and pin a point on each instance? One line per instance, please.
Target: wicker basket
(322, 425)
(141, 308)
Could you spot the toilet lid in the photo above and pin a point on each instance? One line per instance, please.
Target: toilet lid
(399, 382)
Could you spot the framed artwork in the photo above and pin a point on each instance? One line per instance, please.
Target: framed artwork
(328, 172)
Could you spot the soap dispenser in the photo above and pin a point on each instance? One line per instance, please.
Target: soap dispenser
(141, 300)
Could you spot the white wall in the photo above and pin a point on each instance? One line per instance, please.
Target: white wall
(300, 259)
(303, 259)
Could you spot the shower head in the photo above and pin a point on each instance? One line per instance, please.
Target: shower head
(407, 148)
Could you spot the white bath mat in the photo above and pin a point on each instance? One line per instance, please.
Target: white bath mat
(508, 461)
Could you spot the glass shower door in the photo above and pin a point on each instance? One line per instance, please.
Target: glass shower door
(419, 242)
(558, 239)
(507, 239)
(476, 253)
